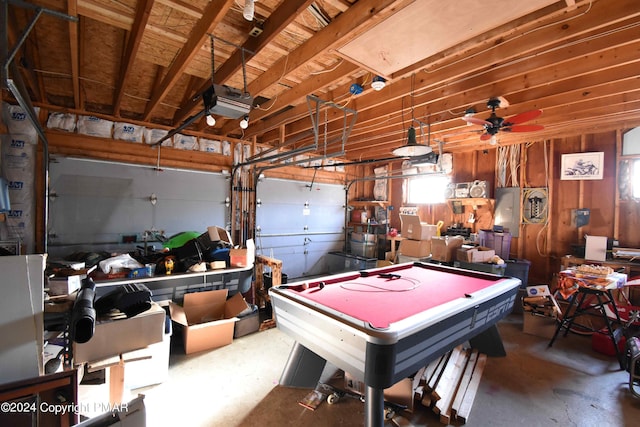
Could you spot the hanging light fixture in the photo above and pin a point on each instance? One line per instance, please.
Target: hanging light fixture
(211, 121)
(244, 123)
(412, 148)
(249, 10)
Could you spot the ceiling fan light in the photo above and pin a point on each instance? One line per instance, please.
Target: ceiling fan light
(493, 140)
(412, 148)
(469, 113)
(211, 121)
(378, 83)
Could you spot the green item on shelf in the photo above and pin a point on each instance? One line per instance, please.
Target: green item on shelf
(178, 240)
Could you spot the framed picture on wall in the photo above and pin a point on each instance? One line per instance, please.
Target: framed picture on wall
(578, 166)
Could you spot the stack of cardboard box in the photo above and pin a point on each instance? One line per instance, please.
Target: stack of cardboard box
(416, 235)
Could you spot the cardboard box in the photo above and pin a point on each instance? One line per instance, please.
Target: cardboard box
(217, 234)
(415, 248)
(246, 325)
(64, 285)
(413, 228)
(150, 365)
(114, 337)
(207, 319)
(541, 326)
(477, 254)
(444, 248)
(243, 257)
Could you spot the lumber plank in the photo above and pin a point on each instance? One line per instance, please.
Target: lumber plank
(433, 379)
(472, 389)
(464, 382)
(448, 375)
(444, 404)
(430, 370)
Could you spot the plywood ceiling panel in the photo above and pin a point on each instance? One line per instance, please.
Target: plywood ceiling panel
(427, 27)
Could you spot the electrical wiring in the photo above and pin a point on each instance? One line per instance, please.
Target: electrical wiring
(514, 163)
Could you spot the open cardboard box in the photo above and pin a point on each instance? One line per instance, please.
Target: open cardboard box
(415, 248)
(219, 234)
(207, 318)
(114, 337)
(412, 228)
(445, 248)
(477, 254)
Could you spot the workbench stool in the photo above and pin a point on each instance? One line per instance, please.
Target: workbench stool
(577, 304)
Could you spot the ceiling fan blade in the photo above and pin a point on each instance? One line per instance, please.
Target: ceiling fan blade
(522, 117)
(485, 136)
(523, 128)
(476, 121)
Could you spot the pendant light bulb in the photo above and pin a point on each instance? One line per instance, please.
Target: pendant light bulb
(211, 121)
(244, 123)
(249, 9)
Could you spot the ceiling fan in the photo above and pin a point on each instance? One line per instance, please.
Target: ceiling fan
(493, 124)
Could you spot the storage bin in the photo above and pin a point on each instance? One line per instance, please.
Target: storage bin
(481, 266)
(339, 262)
(366, 249)
(500, 242)
(518, 268)
(267, 279)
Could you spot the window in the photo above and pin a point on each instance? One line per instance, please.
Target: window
(635, 179)
(427, 189)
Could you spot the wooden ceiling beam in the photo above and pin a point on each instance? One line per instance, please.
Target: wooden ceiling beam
(143, 10)
(72, 10)
(363, 14)
(212, 16)
(272, 27)
(462, 71)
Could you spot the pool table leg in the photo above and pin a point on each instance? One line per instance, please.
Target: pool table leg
(373, 407)
(489, 342)
(303, 368)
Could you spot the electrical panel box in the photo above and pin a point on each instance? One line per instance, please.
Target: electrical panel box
(507, 210)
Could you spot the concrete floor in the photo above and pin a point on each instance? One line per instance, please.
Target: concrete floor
(568, 384)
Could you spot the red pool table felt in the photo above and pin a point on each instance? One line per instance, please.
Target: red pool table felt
(381, 301)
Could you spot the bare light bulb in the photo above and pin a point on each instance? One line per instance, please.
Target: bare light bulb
(244, 123)
(494, 140)
(211, 121)
(248, 10)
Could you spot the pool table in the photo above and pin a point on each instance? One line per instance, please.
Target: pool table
(383, 324)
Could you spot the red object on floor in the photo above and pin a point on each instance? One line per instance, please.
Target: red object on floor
(602, 343)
